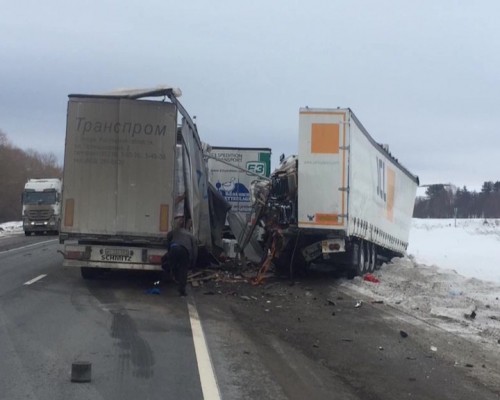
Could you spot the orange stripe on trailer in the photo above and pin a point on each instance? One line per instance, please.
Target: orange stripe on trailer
(326, 219)
(325, 138)
(69, 212)
(343, 166)
(163, 217)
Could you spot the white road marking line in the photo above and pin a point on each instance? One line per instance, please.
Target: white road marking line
(27, 246)
(205, 368)
(35, 279)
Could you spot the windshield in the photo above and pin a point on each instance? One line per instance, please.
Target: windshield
(39, 198)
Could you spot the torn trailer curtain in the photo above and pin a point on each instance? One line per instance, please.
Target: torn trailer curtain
(196, 180)
(218, 211)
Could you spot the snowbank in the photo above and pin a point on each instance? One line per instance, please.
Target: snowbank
(451, 277)
(11, 228)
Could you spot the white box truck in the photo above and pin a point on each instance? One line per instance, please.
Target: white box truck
(231, 170)
(344, 200)
(120, 168)
(41, 200)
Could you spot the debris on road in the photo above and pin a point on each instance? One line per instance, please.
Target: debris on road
(358, 304)
(81, 371)
(434, 348)
(403, 334)
(472, 315)
(330, 302)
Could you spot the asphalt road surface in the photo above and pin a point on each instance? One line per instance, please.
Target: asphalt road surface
(275, 342)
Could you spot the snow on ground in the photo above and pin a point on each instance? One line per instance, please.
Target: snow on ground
(451, 277)
(472, 248)
(10, 228)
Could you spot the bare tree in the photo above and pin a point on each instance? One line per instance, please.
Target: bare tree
(16, 167)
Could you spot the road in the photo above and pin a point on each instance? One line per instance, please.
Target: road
(275, 342)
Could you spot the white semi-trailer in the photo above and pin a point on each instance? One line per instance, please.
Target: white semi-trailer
(231, 170)
(344, 200)
(125, 158)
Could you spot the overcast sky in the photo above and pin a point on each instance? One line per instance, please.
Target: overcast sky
(422, 76)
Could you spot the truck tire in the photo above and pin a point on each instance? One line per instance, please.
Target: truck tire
(361, 260)
(88, 273)
(373, 257)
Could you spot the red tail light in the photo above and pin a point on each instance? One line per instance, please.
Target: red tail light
(154, 259)
(74, 255)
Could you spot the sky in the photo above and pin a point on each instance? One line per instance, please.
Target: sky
(422, 76)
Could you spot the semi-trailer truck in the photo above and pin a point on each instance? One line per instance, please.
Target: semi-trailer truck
(126, 158)
(344, 200)
(41, 200)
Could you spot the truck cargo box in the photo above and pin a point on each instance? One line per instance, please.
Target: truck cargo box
(233, 169)
(350, 183)
(119, 167)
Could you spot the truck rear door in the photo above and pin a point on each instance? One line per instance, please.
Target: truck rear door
(323, 158)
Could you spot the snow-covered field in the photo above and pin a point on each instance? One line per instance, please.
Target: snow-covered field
(11, 228)
(472, 248)
(450, 278)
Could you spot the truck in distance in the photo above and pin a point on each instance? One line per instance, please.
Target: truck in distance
(41, 201)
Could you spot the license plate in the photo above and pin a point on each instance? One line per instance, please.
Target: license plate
(117, 252)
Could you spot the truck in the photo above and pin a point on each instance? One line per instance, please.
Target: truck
(231, 170)
(344, 200)
(41, 211)
(131, 165)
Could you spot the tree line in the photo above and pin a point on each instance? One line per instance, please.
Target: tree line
(16, 167)
(442, 201)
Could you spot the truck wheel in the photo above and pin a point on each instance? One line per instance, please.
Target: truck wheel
(373, 257)
(88, 273)
(362, 258)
